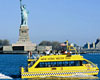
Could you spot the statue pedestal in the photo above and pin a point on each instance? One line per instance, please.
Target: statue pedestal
(24, 39)
(23, 34)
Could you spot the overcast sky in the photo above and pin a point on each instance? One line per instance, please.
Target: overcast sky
(55, 20)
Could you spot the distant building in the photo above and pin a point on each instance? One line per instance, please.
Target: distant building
(97, 43)
(94, 45)
(87, 46)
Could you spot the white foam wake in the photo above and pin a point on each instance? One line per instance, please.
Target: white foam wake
(73, 76)
(2, 76)
(78, 76)
(82, 75)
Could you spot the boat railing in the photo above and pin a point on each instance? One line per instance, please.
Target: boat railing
(92, 64)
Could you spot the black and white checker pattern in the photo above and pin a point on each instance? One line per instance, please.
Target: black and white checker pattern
(58, 73)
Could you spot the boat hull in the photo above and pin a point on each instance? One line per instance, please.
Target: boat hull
(58, 73)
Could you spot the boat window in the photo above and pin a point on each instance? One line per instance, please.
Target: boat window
(49, 65)
(71, 63)
(78, 63)
(85, 62)
(59, 64)
(66, 63)
(53, 64)
(46, 64)
(41, 64)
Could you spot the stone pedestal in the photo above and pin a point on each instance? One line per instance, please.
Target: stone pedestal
(7, 48)
(24, 39)
(23, 34)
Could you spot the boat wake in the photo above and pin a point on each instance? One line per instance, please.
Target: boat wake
(77, 76)
(2, 76)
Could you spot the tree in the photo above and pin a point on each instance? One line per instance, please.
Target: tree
(1, 42)
(5, 42)
(45, 43)
(55, 44)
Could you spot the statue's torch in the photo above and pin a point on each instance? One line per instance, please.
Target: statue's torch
(20, 3)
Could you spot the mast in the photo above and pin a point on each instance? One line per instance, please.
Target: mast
(69, 47)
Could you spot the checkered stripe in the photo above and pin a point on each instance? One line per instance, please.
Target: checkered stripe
(42, 74)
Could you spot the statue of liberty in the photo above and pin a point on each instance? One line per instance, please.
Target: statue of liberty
(24, 14)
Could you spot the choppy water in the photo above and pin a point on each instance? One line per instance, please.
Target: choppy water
(10, 64)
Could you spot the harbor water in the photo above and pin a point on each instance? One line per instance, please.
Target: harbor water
(10, 64)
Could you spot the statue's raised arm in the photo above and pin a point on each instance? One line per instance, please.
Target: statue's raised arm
(24, 14)
(21, 4)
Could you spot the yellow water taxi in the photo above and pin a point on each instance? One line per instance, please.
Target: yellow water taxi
(59, 65)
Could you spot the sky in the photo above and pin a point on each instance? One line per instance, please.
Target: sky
(54, 20)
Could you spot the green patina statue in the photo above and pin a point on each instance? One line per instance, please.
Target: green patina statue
(24, 14)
